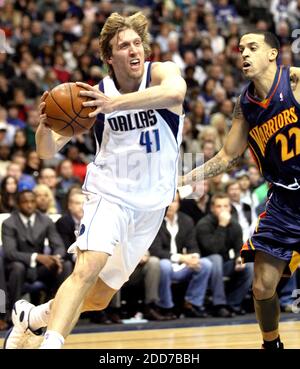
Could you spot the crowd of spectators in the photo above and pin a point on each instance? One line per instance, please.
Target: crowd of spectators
(47, 42)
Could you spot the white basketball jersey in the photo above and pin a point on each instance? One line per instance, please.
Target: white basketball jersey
(137, 153)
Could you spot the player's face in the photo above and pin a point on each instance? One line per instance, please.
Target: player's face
(256, 54)
(128, 55)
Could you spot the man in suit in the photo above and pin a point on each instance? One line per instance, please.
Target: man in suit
(241, 211)
(23, 237)
(69, 223)
(176, 247)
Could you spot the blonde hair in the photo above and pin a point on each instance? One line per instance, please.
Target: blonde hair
(116, 23)
(42, 188)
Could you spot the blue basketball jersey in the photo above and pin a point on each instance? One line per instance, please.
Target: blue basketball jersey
(274, 130)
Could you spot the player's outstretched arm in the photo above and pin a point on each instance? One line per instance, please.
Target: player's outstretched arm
(228, 156)
(167, 91)
(48, 143)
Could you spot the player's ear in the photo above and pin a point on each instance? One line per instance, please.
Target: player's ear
(273, 54)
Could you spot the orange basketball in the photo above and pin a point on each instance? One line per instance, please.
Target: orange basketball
(65, 113)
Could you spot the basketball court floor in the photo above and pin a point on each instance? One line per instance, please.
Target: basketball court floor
(210, 333)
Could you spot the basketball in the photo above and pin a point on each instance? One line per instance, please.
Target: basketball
(65, 113)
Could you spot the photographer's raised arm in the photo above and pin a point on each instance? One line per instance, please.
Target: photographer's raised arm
(229, 155)
(48, 143)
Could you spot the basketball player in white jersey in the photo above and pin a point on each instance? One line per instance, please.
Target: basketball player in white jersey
(128, 185)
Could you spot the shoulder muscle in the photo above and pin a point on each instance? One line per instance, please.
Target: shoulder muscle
(161, 71)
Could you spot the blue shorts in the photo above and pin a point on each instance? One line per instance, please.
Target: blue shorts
(278, 230)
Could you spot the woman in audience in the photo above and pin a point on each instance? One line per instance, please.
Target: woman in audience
(8, 188)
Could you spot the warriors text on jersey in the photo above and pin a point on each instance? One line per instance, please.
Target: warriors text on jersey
(137, 153)
(274, 131)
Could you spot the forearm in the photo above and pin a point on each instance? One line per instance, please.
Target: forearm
(48, 143)
(217, 165)
(156, 97)
(45, 143)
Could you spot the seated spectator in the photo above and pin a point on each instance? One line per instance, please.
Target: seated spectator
(25, 182)
(33, 164)
(208, 150)
(48, 177)
(32, 124)
(285, 291)
(147, 273)
(45, 201)
(23, 236)
(7, 131)
(66, 180)
(78, 161)
(176, 246)
(13, 117)
(242, 212)
(69, 223)
(224, 12)
(4, 159)
(197, 204)
(18, 157)
(220, 240)
(247, 196)
(218, 121)
(20, 142)
(8, 195)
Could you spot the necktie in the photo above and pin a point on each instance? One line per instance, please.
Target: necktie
(29, 231)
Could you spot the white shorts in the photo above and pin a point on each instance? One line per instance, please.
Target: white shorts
(123, 233)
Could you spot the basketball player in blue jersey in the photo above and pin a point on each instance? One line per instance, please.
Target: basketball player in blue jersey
(267, 120)
(128, 185)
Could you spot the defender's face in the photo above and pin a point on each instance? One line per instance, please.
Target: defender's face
(128, 55)
(256, 54)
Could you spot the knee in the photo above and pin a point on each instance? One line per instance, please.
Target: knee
(263, 288)
(85, 274)
(165, 266)
(17, 268)
(216, 259)
(217, 262)
(153, 264)
(206, 265)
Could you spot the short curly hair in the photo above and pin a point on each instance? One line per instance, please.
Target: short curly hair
(116, 23)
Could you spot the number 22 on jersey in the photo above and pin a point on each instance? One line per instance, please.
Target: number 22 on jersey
(287, 154)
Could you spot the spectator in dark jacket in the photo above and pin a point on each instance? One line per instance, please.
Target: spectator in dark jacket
(68, 224)
(220, 239)
(23, 236)
(176, 246)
